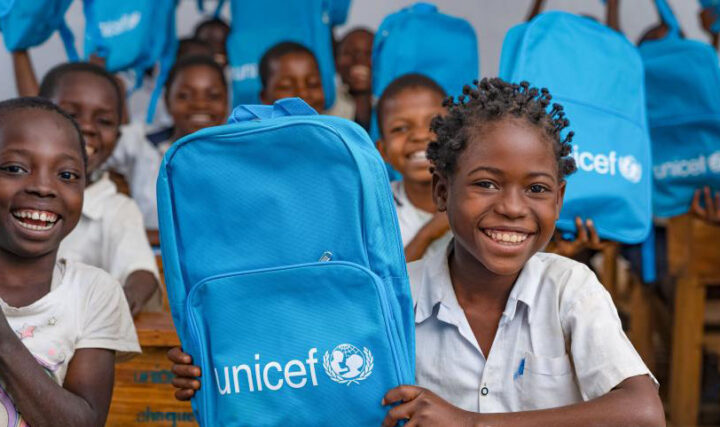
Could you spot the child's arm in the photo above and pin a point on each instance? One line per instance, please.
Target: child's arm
(431, 231)
(612, 15)
(711, 211)
(634, 402)
(535, 9)
(82, 401)
(25, 80)
(139, 287)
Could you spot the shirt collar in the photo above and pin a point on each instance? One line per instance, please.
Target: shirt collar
(95, 195)
(436, 287)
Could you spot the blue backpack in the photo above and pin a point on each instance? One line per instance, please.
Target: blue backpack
(285, 269)
(419, 39)
(597, 75)
(307, 22)
(29, 23)
(682, 83)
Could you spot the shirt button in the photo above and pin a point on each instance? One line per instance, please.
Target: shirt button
(484, 391)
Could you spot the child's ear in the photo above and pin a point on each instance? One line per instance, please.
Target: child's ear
(440, 191)
(380, 145)
(560, 198)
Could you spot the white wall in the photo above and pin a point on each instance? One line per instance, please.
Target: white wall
(491, 19)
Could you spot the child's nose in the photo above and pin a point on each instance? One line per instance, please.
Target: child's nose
(511, 204)
(41, 184)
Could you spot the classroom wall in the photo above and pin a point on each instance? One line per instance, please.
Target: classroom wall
(491, 19)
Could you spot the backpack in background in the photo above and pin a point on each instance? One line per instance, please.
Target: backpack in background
(419, 39)
(682, 82)
(29, 23)
(257, 26)
(597, 75)
(285, 269)
(129, 34)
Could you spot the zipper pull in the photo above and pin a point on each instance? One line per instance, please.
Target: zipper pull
(326, 256)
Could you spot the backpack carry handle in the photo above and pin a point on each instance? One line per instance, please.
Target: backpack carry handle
(668, 17)
(281, 108)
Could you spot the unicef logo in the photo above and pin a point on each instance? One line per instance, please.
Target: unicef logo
(346, 364)
(714, 162)
(630, 169)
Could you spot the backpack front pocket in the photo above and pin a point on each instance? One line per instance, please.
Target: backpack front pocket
(304, 345)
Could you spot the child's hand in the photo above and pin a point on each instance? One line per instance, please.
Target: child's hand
(711, 211)
(360, 79)
(423, 408)
(587, 238)
(139, 288)
(186, 375)
(437, 226)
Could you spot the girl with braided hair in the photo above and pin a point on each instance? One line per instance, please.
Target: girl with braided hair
(506, 334)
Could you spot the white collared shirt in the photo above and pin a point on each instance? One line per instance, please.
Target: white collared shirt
(110, 235)
(411, 219)
(559, 340)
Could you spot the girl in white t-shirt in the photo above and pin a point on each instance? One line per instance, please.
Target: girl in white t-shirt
(61, 323)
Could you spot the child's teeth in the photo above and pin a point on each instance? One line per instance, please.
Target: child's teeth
(507, 237)
(35, 215)
(43, 216)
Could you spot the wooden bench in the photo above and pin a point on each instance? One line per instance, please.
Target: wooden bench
(694, 261)
(143, 394)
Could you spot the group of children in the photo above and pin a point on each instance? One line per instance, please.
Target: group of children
(506, 333)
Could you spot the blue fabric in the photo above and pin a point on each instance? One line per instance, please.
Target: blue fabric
(715, 6)
(682, 82)
(419, 39)
(129, 34)
(597, 75)
(29, 23)
(252, 33)
(280, 244)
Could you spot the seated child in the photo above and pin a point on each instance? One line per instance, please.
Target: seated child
(61, 322)
(353, 98)
(405, 110)
(505, 334)
(196, 95)
(214, 32)
(111, 234)
(288, 70)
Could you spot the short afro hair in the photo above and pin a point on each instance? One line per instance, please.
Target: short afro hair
(401, 84)
(38, 103)
(53, 78)
(276, 52)
(192, 61)
(491, 101)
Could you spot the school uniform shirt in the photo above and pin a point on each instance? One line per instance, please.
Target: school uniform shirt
(110, 235)
(139, 162)
(344, 105)
(559, 340)
(411, 219)
(85, 308)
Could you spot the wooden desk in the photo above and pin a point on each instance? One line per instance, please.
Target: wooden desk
(143, 393)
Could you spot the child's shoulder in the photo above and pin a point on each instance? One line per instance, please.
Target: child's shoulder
(87, 278)
(567, 280)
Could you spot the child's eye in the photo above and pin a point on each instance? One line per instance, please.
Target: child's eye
(537, 188)
(486, 184)
(69, 176)
(398, 129)
(13, 169)
(107, 122)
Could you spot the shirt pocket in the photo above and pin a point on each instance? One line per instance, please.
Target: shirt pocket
(547, 382)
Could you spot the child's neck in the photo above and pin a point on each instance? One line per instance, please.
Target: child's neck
(475, 285)
(177, 134)
(420, 195)
(25, 280)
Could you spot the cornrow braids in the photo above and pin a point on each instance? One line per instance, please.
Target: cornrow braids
(492, 100)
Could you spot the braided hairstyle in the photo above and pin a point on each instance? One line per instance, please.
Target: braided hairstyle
(493, 100)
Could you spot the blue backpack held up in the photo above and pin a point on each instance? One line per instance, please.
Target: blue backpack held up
(419, 39)
(682, 80)
(597, 75)
(284, 269)
(29, 23)
(307, 22)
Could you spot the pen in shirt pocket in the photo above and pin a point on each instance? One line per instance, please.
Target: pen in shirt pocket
(520, 369)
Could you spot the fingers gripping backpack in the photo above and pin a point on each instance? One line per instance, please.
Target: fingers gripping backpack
(682, 80)
(307, 22)
(419, 39)
(597, 75)
(285, 269)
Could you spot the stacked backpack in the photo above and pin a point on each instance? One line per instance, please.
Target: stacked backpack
(682, 82)
(285, 269)
(26, 24)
